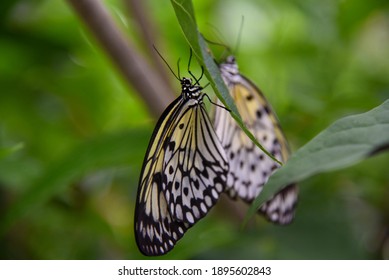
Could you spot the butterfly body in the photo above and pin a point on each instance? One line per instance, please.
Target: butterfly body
(250, 167)
(184, 171)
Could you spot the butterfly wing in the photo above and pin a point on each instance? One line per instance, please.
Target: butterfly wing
(196, 166)
(250, 167)
(182, 176)
(155, 229)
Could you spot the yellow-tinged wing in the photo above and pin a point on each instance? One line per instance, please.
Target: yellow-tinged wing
(250, 167)
(184, 171)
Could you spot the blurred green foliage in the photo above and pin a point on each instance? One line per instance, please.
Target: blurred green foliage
(73, 134)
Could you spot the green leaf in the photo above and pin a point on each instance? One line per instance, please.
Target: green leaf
(106, 151)
(346, 142)
(4, 152)
(185, 15)
(186, 18)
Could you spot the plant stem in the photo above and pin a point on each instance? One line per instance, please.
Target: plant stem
(148, 84)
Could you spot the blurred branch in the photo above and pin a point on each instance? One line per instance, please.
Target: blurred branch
(149, 85)
(148, 32)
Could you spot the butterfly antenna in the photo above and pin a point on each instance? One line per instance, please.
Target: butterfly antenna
(216, 33)
(178, 69)
(202, 74)
(167, 64)
(216, 43)
(226, 48)
(236, 48)
(190, 72)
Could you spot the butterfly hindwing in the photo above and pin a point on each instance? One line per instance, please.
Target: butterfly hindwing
(280, 209)
(250, 167)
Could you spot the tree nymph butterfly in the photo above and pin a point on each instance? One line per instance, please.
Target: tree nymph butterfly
(249, 166)
(184, 171)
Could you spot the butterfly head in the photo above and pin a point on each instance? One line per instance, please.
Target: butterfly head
(230, 60)
(189, 90)
(229, 68)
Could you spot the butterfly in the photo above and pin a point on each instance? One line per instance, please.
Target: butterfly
(249, 166)
(184, 171)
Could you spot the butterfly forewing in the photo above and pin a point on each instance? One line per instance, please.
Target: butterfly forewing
(184, 171)
(250, 167)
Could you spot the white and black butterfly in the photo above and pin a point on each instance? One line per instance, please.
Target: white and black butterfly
(249, 166)
(184, 171)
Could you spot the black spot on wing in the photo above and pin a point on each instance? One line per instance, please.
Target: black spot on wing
(259, 165)
(281, 208)
(197, 176)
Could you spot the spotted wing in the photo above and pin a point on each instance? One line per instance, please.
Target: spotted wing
(196, 167)
(250, 167)
(183, 173)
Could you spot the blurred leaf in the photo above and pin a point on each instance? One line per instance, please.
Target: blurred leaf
(109, 150)
(4, 152)
(346, 142)
(186, 18)
(350, 21)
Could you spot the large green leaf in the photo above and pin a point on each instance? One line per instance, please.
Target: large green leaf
(186, 18)
(106, 151)
(344, 143)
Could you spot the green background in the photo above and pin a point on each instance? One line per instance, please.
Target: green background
(73, 133)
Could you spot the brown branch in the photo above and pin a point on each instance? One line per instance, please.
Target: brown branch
(148, 32)
(148, 84)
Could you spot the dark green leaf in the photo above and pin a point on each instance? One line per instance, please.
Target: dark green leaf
(4, 152)
(344, 143)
